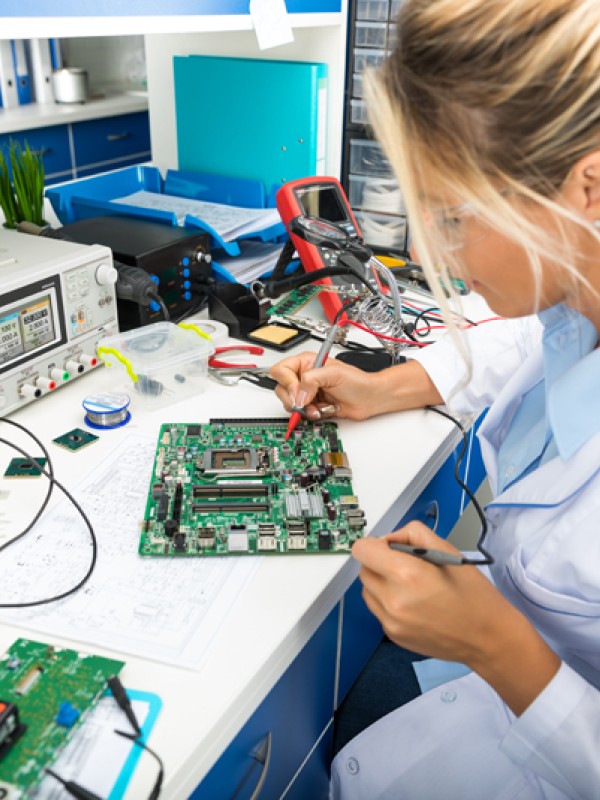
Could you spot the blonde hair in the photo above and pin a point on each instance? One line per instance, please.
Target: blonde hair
(491, 102)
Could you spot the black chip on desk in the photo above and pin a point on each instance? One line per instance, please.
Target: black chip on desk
(75, 439)
(24, 468)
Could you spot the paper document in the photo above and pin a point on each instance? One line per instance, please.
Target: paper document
(255, 259)
(96, 757)
(166, 609)
(228, 221)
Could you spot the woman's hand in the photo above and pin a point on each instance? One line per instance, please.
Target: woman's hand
(341, 389)
(453, 613)
(335, 388)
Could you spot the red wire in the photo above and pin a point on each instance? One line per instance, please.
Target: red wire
(384, 336)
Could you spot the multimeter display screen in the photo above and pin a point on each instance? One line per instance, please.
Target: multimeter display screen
(26, 328)
(323, 202)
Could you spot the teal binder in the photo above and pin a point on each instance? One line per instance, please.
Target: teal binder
(251, 118)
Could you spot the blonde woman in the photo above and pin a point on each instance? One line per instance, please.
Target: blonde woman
(489, 111)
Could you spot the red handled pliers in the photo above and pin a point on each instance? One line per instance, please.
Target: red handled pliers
(254, 350)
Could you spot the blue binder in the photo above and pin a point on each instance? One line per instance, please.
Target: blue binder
(21, 71)
(251, 118)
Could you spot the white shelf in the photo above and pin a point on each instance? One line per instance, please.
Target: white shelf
(36, 115)
(32, 27)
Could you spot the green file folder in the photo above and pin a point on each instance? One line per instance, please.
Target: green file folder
(251, 118)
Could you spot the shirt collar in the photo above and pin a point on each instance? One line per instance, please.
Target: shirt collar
(572, 372)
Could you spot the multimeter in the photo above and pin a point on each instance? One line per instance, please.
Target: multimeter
(322, 198)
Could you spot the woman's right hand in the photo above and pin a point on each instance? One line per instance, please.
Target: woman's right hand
(335, 389)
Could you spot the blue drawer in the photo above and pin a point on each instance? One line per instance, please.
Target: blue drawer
(111, 138)
(51, 143)
(295, 713)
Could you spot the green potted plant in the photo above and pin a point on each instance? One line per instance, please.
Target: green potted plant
(21, 185)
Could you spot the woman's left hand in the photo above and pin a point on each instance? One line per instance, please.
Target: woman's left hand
(449, 612)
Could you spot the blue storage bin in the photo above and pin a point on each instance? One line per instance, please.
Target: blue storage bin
(94, 196)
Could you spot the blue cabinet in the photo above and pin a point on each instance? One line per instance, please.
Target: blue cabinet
(77, 149)
(51, 143)
(151, 8)
(111, 139)
(279, 737)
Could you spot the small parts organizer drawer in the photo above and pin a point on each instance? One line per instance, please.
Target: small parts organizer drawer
(367, 158)
(111, 138)
(51, 143)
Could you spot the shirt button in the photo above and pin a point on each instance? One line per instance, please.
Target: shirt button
(509, 471)
(352, 766)
(448, 696)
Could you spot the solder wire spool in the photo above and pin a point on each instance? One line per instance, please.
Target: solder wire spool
(107, 410)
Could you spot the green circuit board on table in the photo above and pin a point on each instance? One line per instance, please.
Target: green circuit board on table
(45, 693)
(236, 487)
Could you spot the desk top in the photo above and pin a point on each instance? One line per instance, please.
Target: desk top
(196, 724)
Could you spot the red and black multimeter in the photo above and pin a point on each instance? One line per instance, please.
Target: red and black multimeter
(323, 198)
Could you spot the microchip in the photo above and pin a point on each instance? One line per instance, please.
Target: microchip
(75, 439)
(24, 468)
(193, 430)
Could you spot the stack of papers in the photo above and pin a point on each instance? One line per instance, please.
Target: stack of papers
(255, 259)
(229, 222)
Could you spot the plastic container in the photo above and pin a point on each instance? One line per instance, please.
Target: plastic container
(372, 9)
(367, 158)
(158, 364)
(381, 195)
(370, 34)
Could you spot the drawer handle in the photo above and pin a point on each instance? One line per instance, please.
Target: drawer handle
(117, 137)
(262, 754)
(43, 151)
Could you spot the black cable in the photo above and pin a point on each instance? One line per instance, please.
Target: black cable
(487, 557)
(161, 767)
(54, 482)
(50, 485)
(72, 788)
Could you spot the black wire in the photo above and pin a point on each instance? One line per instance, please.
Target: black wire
(487, 557)
(161, 768)
(53, 481)
(50, 485)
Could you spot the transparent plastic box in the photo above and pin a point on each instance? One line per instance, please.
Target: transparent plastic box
(394, 8)
(358, 112)
(370, 34)
(158, 364)
(357, 85)
(365, 58)
(372, 10)
(380, 195)
(367, 158)
(384, 231)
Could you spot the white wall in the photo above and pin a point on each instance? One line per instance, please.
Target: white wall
(112, 62)
(321, 44)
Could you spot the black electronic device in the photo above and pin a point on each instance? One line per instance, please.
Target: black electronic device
(177, 260)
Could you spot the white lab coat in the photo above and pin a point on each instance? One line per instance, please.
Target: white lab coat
(459, 741)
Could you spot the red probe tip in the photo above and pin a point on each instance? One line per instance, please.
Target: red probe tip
(294, 420)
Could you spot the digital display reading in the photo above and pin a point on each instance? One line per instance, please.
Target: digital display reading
(11, 341)
(322, 202)
(37, 324)
(26, 328)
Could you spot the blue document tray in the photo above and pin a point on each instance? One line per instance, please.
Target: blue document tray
(94, 196)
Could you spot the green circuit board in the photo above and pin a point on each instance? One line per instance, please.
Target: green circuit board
(292, 302)
(45, 693)
(236, 487)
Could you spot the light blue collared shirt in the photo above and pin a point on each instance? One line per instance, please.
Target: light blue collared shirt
(561, 412)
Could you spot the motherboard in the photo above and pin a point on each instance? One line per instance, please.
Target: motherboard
(45, 693)
(236, 487)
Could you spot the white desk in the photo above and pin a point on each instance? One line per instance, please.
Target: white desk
(392, 457)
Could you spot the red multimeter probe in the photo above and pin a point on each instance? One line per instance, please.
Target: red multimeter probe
(324, 198)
